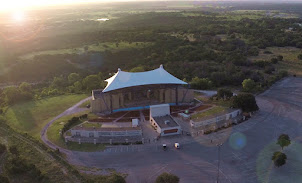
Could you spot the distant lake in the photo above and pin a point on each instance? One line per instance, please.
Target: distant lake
(103, 19)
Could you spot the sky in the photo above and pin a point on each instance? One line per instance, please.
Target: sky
(11, 5)
(8, 5)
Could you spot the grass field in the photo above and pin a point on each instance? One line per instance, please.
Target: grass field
(210, 112)
(290, 61)
(30, 117)
(94, 47)
(53, 134)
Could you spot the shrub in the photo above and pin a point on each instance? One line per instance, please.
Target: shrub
(245, 101)
(275, 60)
(3, 179)
(115, 178)
(282, 73)
(2, 148)
(269, 69)
(201, 83)
(167, 178)
(262, 63)
(279, 158)
(248, 85)
(267, 52)
(223, 93)
(300, 56)
(280, 57)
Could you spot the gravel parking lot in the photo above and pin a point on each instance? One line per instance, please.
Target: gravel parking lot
(245, 152)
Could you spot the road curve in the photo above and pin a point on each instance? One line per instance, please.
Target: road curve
(71, 110)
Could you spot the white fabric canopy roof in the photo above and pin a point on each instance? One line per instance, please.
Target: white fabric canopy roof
(128, 79)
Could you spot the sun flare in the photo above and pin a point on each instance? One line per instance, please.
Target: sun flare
(18, 16)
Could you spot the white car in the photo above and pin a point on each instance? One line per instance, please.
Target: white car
(176, 145)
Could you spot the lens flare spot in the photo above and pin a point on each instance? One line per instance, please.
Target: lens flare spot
(237, 140)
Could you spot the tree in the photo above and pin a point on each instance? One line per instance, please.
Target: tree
(224, 93)
(26, 91)
(201, 83)
(58, 82)
(283, 140)
(248, 85)
(300, 56)
(25, 87)
(78, 87)
(73, 77)
(138, 69)
(245, 101)
(92, 82)
(279, 158)
(167, 178)
(11, 95)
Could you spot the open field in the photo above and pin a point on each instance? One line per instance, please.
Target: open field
(94, 47)
(30, 117)
(290, 61)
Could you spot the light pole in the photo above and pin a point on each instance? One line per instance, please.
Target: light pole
(218, 145)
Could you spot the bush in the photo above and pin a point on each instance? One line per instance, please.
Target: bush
(279, 158)
(2, 148)
(115, 178)
(282, 73)
(300, 56)
(262, 63)
(201, 83)
(167, 178)
(280, 57)
(269, 69)
(275, 60)
(3, 179)
(248, 85)
(223, 93)
(267, 52)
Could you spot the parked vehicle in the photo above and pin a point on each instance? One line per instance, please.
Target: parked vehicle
(164, 147)
(176, 145)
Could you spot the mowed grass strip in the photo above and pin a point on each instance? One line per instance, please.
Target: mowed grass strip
(32, 116)
(53, 134)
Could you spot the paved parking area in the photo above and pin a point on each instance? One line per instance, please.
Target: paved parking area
(245, 154)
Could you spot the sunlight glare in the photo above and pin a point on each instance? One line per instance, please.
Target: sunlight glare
(18, 16)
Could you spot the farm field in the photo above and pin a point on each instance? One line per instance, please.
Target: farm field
(30, 117)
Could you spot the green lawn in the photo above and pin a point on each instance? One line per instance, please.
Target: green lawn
(32, 116)
(53, 134)
(94, 47)
(210, 112)
(85, 104)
